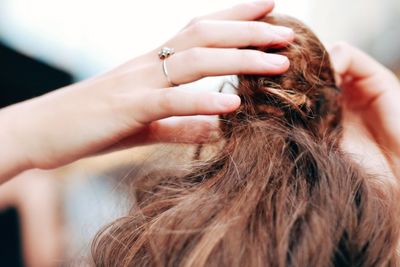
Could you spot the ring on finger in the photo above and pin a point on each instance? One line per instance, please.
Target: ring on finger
(165, 53)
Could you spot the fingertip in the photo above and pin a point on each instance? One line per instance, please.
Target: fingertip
(276, 64)
(285, 64)
(227, 102)
(338, 56)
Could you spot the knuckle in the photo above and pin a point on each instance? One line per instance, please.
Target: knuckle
(198, 63)
(257, 28)
(47, 164)
(198, 30)
(247, 56)
(117, 103)
(165, 102)
(194, 55)
(121, 104)
(194, 21)
(250, 59)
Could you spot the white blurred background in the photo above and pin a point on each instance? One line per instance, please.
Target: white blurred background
(90, 36)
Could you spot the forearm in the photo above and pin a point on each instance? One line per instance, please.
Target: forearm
(54, 129)
(12, 156)
(41, 132)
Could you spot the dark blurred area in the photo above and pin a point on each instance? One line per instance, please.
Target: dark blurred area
(21, 78)
(10, 241)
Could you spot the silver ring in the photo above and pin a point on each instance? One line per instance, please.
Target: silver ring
(165, 71)
(165, 53)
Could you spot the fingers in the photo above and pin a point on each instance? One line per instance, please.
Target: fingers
(163, 103)
(194, 129)
(367, 77)
(349, 60)
(224, 30)
(196, 63)
(231, 34)
(372, 91)
(246, 11)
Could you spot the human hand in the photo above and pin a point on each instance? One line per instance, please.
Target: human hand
(371, 102)
(127, 105)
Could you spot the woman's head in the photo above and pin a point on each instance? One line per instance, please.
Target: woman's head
(278, 192)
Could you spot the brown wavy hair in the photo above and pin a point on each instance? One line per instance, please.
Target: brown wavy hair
(279, 191)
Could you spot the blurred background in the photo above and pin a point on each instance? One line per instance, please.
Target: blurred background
(49, 218)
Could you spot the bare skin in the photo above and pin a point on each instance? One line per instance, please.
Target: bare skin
(34, 195)
(371, 94)
(126, 105)
(132, 104)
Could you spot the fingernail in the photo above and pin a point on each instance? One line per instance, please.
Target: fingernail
(276, 60)
(284, 32)
(229, 101)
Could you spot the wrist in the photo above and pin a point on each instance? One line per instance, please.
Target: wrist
(12, 155)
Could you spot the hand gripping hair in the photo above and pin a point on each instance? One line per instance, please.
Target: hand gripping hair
(279, 191)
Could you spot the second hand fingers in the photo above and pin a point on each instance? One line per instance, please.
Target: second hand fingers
(368, 77)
